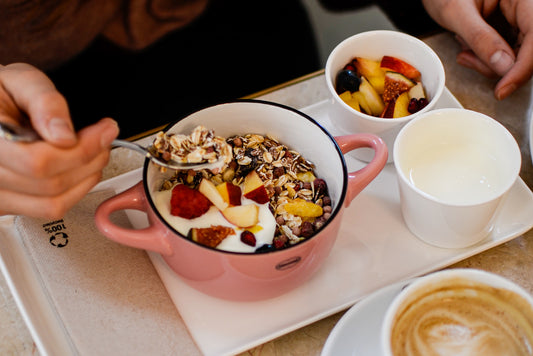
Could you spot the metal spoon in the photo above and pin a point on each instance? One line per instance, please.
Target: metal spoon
(27, 134)
(151, 153)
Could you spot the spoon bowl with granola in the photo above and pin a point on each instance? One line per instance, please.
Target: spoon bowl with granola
(199, 150)
(263, 224)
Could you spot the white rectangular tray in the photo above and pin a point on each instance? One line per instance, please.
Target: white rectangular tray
(374, 248)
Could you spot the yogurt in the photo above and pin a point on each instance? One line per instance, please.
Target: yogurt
(264, 230)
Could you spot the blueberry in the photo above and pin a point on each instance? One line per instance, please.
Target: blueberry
(347, 80)
(265, 248)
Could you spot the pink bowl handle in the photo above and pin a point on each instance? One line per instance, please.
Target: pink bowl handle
(151, 238)
(358, 180)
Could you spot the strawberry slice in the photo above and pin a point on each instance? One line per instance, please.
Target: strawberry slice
(188, 203)
(397, 65)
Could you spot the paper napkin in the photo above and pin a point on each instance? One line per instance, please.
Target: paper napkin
(109, 297)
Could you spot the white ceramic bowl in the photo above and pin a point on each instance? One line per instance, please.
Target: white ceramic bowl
(455, 167)
(374, 45)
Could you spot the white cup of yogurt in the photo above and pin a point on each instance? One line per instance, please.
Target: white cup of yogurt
(454, 166)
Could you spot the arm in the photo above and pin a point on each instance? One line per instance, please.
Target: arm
(49, 33)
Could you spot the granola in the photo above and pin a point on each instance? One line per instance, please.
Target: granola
(200, 146)
(299, 200)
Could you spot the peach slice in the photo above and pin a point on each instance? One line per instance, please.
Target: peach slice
(242, 215)
(397, 107)
(351, 100)
(254, 188)
(368, 67)
(397, 65)
(402, 103)
(373, 99)
(230, 192)
(363, 104)
(208, 189)
(378, 83)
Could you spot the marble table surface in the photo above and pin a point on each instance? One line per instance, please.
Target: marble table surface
(513, 259)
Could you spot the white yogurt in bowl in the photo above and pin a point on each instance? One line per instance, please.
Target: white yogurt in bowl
(264, 230)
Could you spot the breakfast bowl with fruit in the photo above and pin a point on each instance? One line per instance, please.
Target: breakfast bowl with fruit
(380, 80)
(263, 222)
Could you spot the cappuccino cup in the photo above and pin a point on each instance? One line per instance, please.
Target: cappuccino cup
(459, 312)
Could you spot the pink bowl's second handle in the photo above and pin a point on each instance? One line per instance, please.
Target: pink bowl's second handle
(358, 180)
(150, 238)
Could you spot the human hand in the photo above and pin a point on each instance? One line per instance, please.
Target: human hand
(47, 177)
(484, 47)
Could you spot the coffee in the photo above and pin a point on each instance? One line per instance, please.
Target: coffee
(460, 316)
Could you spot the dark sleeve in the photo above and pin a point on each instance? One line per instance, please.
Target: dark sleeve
(344, 5)
(407, 15)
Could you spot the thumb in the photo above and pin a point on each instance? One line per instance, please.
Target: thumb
(34, 94)
(496, 56)
(487, 44)
(50, 117)
(56, 130)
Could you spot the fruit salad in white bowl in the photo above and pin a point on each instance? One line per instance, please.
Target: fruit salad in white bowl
(389, 69)
(386, 88)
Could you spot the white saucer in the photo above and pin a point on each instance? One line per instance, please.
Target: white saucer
(357, 333)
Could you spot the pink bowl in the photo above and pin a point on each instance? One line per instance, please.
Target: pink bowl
(245, 276)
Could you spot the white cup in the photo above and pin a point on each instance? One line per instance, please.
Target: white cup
(454, 166)
(374, 45)
(459, 312)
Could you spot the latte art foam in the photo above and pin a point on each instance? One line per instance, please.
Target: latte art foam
(464, 318)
